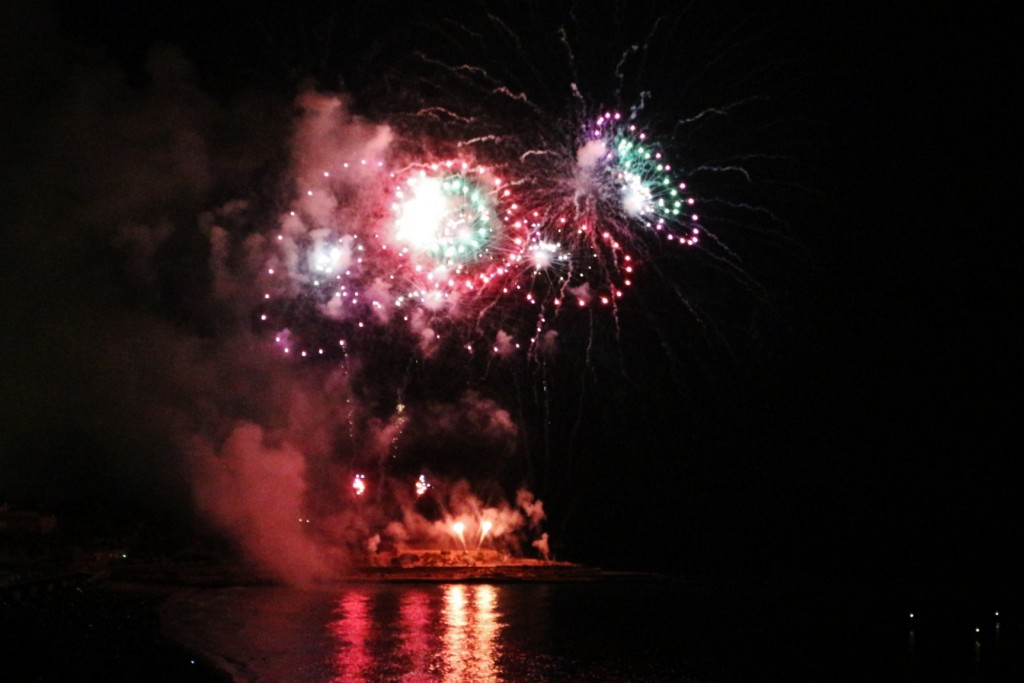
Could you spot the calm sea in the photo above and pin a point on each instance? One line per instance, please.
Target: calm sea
(596, 631)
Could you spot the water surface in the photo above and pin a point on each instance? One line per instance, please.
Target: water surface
(597, 631)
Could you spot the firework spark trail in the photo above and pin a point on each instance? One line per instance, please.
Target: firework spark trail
(716, 111)
(438, 112)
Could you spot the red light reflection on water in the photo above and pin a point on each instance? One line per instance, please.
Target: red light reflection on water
(352, 662)
(416, 620)
(452, 636)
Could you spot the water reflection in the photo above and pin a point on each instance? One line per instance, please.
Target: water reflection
(595, 631)
(471, 630)
(416, 620)
(451, 636)
(352, 662)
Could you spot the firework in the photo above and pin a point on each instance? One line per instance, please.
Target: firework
(458, 529)
(422, 485)
(485, 255)
(622, 168)
(485, 528)
(455, 231)
(359, 484)
(599, 208)
(438, 238)
(471, 243)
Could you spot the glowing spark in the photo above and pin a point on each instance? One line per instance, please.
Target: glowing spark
(458, 528)
(422, 485)
(359, 484)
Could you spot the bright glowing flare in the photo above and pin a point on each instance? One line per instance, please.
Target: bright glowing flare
(448, 216)
(485, 528)
(359, 484)
(459, 528)
(420, 216)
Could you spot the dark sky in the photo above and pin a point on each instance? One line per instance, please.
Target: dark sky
(855, 407)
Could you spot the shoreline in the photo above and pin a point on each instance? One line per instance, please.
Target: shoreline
(230, 575)
(554, 573)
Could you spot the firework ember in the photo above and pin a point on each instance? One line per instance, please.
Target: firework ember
(422, 485)
(359, 484)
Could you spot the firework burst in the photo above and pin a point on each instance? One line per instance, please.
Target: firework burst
(455, 238)
(598, 207)
(455, 230)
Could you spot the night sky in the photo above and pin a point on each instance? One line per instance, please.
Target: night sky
(849, 403)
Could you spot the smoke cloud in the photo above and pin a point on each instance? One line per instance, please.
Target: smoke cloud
(256, 492)
(147, 228)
